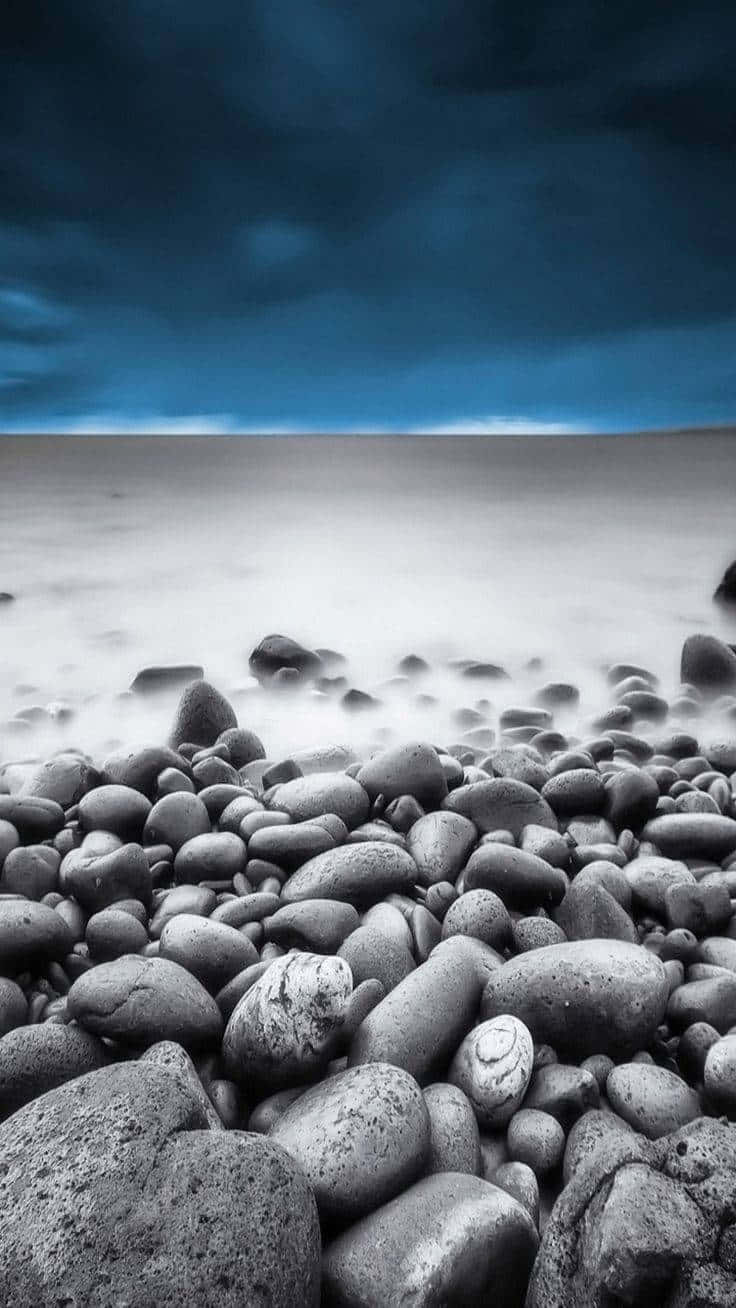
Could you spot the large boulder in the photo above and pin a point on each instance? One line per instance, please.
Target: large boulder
(114, 1192)
(583, 997)
(644, 1222)
(450, 1240)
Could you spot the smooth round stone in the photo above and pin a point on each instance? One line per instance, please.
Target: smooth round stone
(410, 769)
(35, 1059)
(595, 1130)
(450, 1239)
(98, 881)
(13, 1006)
(306, 798)
(712, 1000)
(631, 799)
(719, 951)
(583, 997)
(275, 652)
(440, 844)
(121, 1195)
(64, 779)
(355, 874)
(112, 933)
(289, 846)
(284, 1028)
(650, 877)
(535, 933)
(693, 835)
(580, 790)
(602, 872)
(318, 926)
(493, 1067)
(589, 912)
(479, 913)
(708, 663)
(213, 952)
(234, 814)
(719, 1076)
(361, 1137)
(31, 935)
(212, 856)
(517, 764)
(391, 922)
(653, 1100)
(175, 819)
(501, 804)
(563, 1092)
(118, 809)
(30, 870)
(139, 1001)
(439, 897)
(518, 1180)
(537, 1139)
(371, 954)
(521, 880)
(454, 1138)
(141, 768)
(33, 819)
(201, 716)
(419, 1025)
(199, 900)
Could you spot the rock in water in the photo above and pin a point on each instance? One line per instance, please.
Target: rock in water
(361, 1137)
(282, 1032)
(708, 663)
(113, 1192)
(276, 652)
(164, 677)
(203, 714)
(725, 592)
(451, 1240)
(583, 997)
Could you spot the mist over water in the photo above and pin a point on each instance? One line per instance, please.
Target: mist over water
(126, 552)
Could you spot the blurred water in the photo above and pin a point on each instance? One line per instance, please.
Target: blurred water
(124, 552)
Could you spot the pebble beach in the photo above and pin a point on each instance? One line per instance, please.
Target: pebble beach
(388, 958)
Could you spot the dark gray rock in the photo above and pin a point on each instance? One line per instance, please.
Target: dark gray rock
(275, 652)
(202, 715)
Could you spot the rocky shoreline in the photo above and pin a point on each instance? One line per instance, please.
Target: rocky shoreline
(434, 1025)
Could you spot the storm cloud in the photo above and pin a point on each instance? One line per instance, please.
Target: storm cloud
(330, 215)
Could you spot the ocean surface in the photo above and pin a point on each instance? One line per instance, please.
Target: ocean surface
(123, 552)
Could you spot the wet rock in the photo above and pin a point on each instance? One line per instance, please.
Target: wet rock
(282, 1032)
(410, 769)
(521, 880)
(581, 790)
(202, 716)
(140, 769)
(307, 798)
(501, 805)
(290, 846)
(164, 1202)
(454, 1138)
(212, 856)
(175, 819)
(357, 874)
(653, 1100)
(631, 799)
(493, 1067)
(583, 997)
(448, 1239)
(139, 1001)
(361, 1137)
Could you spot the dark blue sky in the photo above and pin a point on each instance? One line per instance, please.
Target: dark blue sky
(367, 213)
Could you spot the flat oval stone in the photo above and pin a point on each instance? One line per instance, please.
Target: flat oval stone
(119, 809)
(521, 880)
(653, 1100)
(212, 856)
(501, 805)
(419, 1025)
(692, 835)
(33, 818)
(140, 1001)
(583, 997)
(318, 926)
(175, 819)
(211, 951)
(440, 843)
(31, 935)
(283, 1029)
(410, 769)
(450, 1239)
(355, 874)
(361, 1137)
(454, 1136)
(307, 798)
(493, 1067)
(290, 846)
